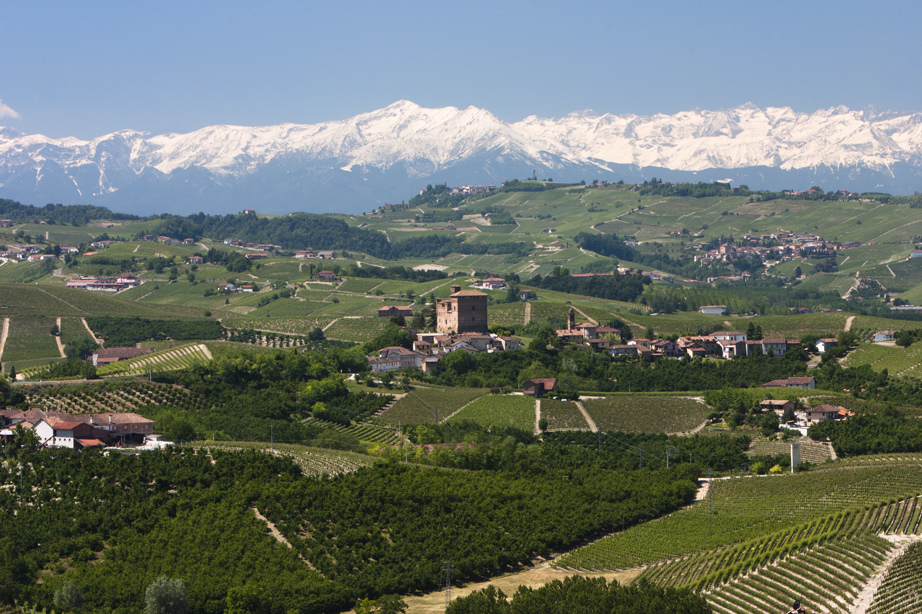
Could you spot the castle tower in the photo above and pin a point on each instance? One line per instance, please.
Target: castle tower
(464, 312)
(571, 319)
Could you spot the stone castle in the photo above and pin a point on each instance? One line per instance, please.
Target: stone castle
(464, 312)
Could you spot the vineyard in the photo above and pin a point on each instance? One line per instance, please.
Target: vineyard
(287, 326)
(361, 431)
(318, 462)
(356, 329)
(563, 415)
(501, 410)
(897, 360)
(173, 359)
(709, 569)
(507, 314)
(419, 405)
(901, 589)
(30, 339)
(827, 577)
(810, 452)
(111, 396)
(641, 413)
(739, 510)
(269, 340)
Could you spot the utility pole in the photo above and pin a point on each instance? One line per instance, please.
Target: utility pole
(641, 457)
(710, 492)
(436, 410)
(271, 438)
(447, 583)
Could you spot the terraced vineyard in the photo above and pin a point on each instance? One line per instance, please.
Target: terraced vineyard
(313, 461)
(418, 406)
(173, 359)
(646, 413)
(751, 508)
(501, 410)
(708, 569)
(825, 577)
(901, 589)
(362, 431)
(563, 416)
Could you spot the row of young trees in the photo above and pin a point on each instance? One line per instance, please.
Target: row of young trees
(129, 331)
(112, 525)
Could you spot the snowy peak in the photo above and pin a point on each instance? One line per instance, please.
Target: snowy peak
(403, 144)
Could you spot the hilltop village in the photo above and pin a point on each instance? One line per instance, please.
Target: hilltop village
(172, 392)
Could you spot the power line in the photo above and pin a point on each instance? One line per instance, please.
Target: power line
(448, 569)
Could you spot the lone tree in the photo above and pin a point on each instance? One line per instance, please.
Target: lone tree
(166, 596)
(68, 596)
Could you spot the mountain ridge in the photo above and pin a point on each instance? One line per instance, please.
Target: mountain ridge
(357, 163)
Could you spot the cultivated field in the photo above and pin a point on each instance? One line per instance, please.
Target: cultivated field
(646, 413)
(563, 416)
(501, 410)
(312, 461)
(418, 407)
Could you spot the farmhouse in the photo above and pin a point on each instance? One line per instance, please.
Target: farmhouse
(537, 387)
(57, 429)
(109, 355)
(395, 310)
(821, 413)
(779, 406)
(717, 310)
(792, 382)
(823, 345)
(492, 283)
(406, 359)
(54, 433)
(885, 335)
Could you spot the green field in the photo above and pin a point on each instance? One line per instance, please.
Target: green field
(646, 413)
(501, 410)
(32, 300)
(20, 272)
(73, 330)
(356, 329)
(29, 339)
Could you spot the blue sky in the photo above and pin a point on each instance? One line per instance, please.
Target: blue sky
(88, 68)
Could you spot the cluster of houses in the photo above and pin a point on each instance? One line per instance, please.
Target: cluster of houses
(29, 252)
(780, 246)
(429, 348)
(56, 429)
(105, 284)
(803, 418)
(230, 288)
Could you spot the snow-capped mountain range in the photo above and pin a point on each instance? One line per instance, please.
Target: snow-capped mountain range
(386, 155)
